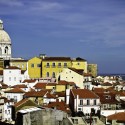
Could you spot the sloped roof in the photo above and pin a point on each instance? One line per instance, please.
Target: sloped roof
(79, 71)
(19, 86)
(59, 106)
(98, 90)
(40, 85)
(23, 101)
(83, 93)
(57, 59)
(35, 94)
(63, 82)
(118, 116)
(29, 80)
(107, 98)
(15, 90)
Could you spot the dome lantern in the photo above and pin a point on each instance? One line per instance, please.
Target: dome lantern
(1, 25)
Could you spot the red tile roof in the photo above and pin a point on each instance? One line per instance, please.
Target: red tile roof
(21, 102)
(79, 71)
(87, 74)
(19, 86)
(40, 86)
(107, 98)
(57, 59)
(83, 93)
(59, 106)
(98, 90)
(48, 95)
(118, 116)
(3, 86)
(35, 94)
(63, 82)
(106, 84)
(15, 90)
(29, 80)
(51, 84)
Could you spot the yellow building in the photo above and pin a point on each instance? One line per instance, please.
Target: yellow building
(92, 69)
(79, 63)
(34, 67)
(22, 64)
(51, 66)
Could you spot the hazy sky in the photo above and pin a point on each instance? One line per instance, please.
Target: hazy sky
(91, 29)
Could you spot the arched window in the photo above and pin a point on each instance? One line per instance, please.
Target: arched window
(6, 50)
(53, 74)
(47, 74)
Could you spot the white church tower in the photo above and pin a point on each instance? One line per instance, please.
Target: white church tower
(5, 43)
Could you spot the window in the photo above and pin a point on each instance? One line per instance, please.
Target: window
(78, 63)
(47, 64)
(59, 64)
(53, 64)
(79, 109)
(22, 65)
(53, 74)
(15, 98)
(94, 101)
(65, 64)
(5, 111)
(38, 65)
(47, 74)
(88, 102)
(8, 97)
(32, 65)
(8, 111)
(9, 78)
(14, 78)
(81, 102)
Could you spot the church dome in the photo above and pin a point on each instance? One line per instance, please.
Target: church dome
(4, 37)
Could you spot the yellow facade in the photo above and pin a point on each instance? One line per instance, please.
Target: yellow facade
(92, 69)
(52, 68)
(34, 67)
(60, 88)
(22, 64)
(79, 63)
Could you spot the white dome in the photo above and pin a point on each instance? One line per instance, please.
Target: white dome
(4, 37)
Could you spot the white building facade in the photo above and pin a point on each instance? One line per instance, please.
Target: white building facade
(12, 76)
(5, 43)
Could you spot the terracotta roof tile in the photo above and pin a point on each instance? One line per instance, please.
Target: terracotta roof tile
(35, 94)
(19, 86)
(59, 106)
(107, 98)
(15, 90)
(57, 59)
(63, 82)
(29, 80)
(40, 86)
(106, 84)
(3, 86)
(87, 74)
(21, 102)
(98, 90)
(79, 71)
(118, 116)
(51, 84)
(84, 93)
